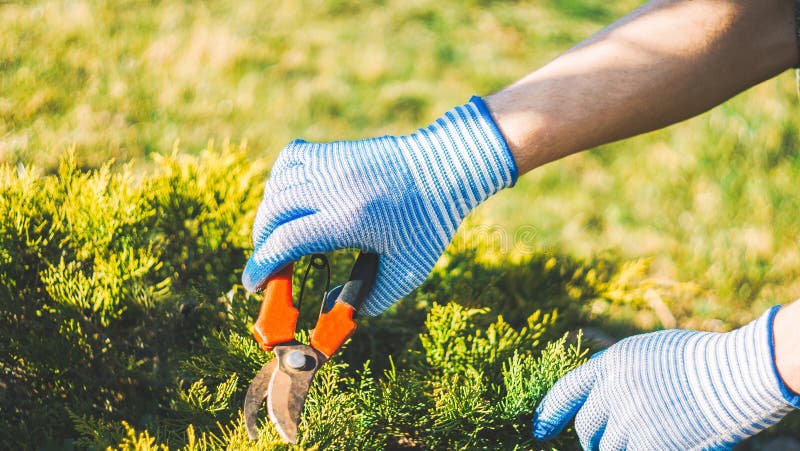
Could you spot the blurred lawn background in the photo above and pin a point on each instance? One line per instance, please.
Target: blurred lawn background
(711, 201)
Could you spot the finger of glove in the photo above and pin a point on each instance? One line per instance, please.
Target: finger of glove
(279, 209)
(591, 420)
(290, 155)
(285, 178)
(287, 243)
(395, 279)
(563, 401)
(614, 438)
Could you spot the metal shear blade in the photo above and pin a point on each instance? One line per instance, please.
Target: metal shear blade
(284, 383)
(256, 394)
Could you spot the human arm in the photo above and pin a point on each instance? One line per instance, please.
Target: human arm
(665, 62)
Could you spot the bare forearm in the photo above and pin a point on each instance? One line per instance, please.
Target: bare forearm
(787, 344)
(663, 63)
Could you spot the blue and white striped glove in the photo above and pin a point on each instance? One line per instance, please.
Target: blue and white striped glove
(672, 390)
(401, 197)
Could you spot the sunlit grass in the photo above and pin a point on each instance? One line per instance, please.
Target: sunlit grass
(125, 79)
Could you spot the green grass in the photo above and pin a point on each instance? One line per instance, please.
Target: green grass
(125, 79)
(705, 210)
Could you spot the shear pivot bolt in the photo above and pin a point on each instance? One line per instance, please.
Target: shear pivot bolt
(295, 359)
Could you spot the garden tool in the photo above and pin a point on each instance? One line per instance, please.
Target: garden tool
(285, 380)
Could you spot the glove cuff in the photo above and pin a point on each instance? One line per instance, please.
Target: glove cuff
(751, 353)
(791, 397)
(459, 161)
(473, 146)
(502, 155)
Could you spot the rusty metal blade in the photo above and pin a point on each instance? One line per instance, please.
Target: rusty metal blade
(282, 405)
(256, 393)
(288, 388)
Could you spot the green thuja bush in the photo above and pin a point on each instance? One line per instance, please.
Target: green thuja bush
(466, 387)
(106, 283)
(124, 325)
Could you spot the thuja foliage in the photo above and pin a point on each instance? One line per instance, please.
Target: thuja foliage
(124, 325)
(466, 387)
(105, 278)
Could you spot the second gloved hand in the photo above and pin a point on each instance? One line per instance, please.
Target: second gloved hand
(401, 197)
(672, 390)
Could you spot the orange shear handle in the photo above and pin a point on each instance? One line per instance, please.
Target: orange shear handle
(333, 329)
(335, 326)
(277, 318)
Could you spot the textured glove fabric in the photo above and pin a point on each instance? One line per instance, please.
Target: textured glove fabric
(672, 390)
(401, 197)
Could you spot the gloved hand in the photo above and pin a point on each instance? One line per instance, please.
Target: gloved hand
(674, 389)
(401, 197)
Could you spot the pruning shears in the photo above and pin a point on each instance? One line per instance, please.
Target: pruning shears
(285, 380)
